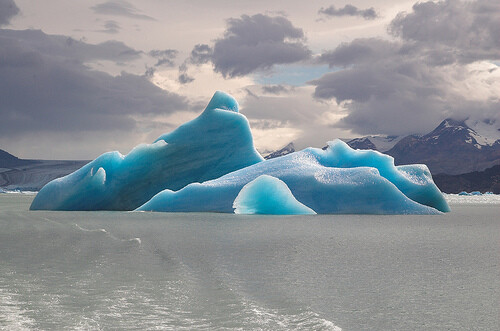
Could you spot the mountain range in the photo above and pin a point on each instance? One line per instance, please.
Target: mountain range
(452, 148)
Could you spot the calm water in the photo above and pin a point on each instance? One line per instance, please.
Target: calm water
(119, 270)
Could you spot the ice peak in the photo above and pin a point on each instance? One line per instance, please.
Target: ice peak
(224, 101)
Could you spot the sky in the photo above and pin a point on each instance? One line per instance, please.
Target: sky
(80, 78)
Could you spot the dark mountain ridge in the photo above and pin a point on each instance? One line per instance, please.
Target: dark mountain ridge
(451, 148)
(8, 160)
(32, 175)
(290, 148)
(482, 181)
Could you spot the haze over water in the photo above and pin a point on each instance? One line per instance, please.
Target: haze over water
(128, 270)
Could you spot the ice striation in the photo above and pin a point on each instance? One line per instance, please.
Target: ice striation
(215, 143)
(268, 195)
(210, 165)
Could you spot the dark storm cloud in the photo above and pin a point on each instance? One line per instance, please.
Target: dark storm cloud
(45, 85)
(359, 51)
(68, 48)
(453, 30)
(349, 10)
(403, 86)
(120, 8)
(386, 97)
(252, 43)
(8, 9)
(258, 42)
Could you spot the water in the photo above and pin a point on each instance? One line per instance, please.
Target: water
(125, 270)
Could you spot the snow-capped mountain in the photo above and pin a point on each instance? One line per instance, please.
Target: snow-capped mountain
(486, 132)
(290, 148)
(451, 148)
(454, 147)
(379, 143)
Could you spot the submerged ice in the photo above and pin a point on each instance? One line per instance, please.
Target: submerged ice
(210, 164)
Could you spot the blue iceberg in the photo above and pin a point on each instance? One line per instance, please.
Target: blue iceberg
(268, 195)
(316, 180)
(215, 143)
(210, 165)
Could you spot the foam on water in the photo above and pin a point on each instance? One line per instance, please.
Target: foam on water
(484, 199)
(136, 240)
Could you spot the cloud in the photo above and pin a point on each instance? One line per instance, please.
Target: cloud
(47, 86)
(277, 89)
(349, 10)
(359, 51)
(431, 72)
(452, 30)
(201, 54)
(165, 53)
(279, 118)
(111, 27)
(35, 42)
(251, 44)
(184, 78)
(120, 8)
(8, 9)
(165, 57)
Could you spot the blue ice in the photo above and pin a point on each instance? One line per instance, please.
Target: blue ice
(268, 195)
(361, 183)
(215, 143)
(204, 164)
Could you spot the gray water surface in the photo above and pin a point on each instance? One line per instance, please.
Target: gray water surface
(129, 270)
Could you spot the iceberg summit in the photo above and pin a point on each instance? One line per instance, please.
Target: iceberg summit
(210, 164)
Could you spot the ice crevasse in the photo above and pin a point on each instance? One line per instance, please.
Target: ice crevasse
(210, 164)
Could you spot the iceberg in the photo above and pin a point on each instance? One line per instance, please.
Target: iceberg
(268, 195)
(315, 179)
(215, 143)
(210, 164)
